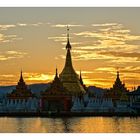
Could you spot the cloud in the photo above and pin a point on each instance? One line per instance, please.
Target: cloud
(72, 43)
(132, 69)
(89, 55)
(105, 76)
(1, 37)
(5, 37)
(38, 77)
(114, 31)
(36, 24)
(19, 24)
(104, 83)
(118, 35)
(29, 77)
(58, 38)
(7, 79)
(106, 69)
(65, 25)
(122, 56)
(127, 72)
(104, 24)
(11, 55)
(8, 38)
(63, 40)
(111, 43)
(7, 75)
(84, 72)
(6, 26)
(22, 24)
(31, 24)
(89, 48)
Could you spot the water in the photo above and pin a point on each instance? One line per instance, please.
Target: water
(73, 125)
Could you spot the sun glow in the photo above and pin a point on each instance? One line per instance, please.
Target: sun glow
(98, 48)
(38, 77)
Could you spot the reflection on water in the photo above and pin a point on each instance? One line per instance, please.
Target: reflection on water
(74, 125)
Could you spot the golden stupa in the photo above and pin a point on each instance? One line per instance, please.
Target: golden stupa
(68, 76)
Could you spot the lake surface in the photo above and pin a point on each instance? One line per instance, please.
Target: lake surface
(73, 125)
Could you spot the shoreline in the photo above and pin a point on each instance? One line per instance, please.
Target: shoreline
(67, 114)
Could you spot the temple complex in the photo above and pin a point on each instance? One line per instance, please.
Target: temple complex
(67, 93)
(68, 76)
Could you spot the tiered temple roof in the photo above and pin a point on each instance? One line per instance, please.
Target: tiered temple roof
(57, 97)
(118, 91)
(21, 90)
(56, 87)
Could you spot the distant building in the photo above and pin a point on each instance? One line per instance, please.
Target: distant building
(56, 98)
(21, 91)
(118, 91)
(134, 95)
(134, 98)
(21, 98)
(68, 76)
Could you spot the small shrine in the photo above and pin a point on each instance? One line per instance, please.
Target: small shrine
(56, 98)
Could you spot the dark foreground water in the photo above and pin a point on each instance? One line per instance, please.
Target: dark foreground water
(74, 125)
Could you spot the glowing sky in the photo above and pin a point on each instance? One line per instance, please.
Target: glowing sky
(102, 39)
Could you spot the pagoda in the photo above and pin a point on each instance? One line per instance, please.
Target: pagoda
(56, 98)
(118, 91)
(56, 87)
(21, 90)
(68, 76)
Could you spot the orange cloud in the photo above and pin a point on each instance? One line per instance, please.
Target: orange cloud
(6, 26)
(11, 55)
(38, 77)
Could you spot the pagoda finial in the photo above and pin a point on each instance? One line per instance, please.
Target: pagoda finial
(68, 46)
(56, 78)
(21, 77)
(56, 74)
(118, 74)
(67, 33)
(21, 71)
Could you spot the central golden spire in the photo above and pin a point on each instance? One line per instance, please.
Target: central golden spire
(68, 48)
(68, 76)
(68, 63)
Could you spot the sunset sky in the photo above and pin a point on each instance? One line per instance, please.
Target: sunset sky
(103, 40)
